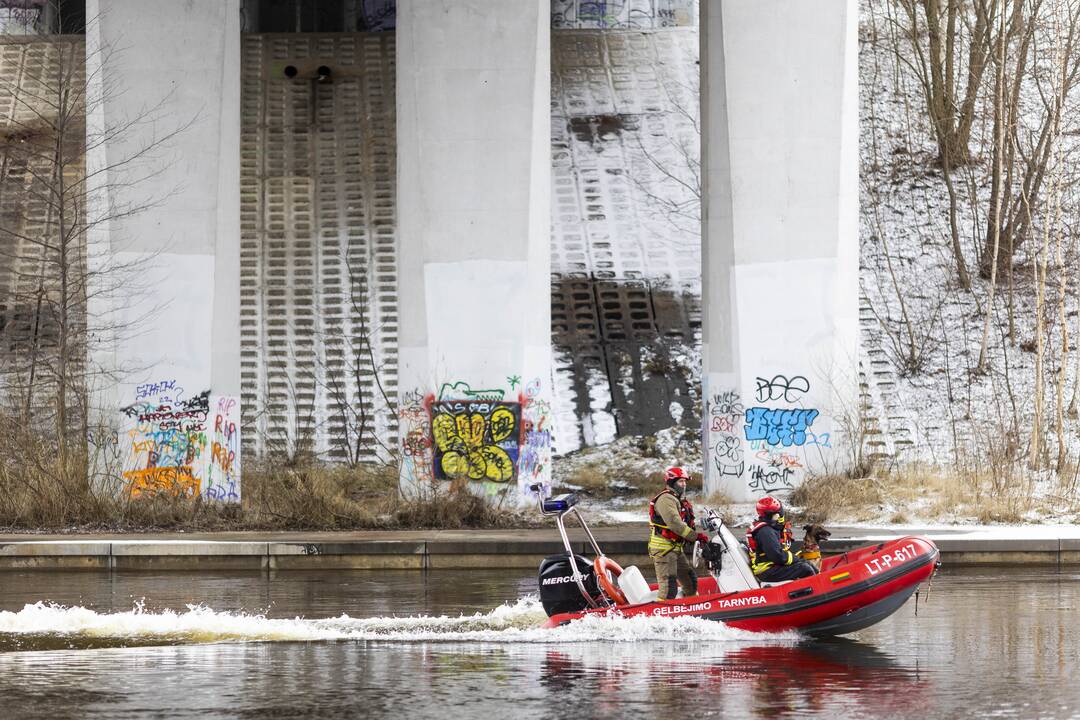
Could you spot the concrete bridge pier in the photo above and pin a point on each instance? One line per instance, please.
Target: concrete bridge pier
(779, 98)
(474, 163)
(163, 129)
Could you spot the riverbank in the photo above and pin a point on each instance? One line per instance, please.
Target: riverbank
(431, 549)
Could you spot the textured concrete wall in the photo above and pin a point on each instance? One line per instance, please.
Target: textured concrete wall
(318, 284)
(473, 108)
(780, 239)
(166, 75)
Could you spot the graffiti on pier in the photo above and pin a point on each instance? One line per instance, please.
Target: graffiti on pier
(414, 426)
(764, 446)
(534, 463)
(770, 457)
(177, 481)
(725, 416)
(463, 390)
(175, 448)
(770, 479)
(779, 426)
(222, 480)
(163, 391)
(782, 388)
(167, 441)
(461, 434)
(779, 436)
(475, 439)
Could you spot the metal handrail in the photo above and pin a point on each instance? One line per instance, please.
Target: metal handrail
(560, 523)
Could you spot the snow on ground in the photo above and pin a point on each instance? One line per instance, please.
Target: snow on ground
(948, 411)
(935, 410)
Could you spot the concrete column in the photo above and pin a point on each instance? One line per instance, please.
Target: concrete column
(473, 139)
(780, 239)
(163, 134)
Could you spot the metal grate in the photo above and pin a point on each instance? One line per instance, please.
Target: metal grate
(614, 345)
(318, 246)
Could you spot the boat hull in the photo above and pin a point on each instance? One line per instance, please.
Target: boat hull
(852, 592)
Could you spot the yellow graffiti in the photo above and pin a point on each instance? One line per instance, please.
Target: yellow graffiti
(460, 438)
(175, 481)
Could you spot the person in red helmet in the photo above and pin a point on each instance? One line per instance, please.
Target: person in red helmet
(671, 525)
(769, 539)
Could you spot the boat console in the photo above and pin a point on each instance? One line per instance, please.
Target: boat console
(725, 557)
(558, 504)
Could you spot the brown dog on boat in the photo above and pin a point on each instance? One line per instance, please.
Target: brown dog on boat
(811, 544)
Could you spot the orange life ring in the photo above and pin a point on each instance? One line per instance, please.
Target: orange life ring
(602, 566)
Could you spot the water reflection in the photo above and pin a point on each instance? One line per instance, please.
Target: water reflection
(773, 678)
(989, 643)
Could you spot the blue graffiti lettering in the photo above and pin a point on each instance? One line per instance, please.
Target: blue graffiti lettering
(779, 426)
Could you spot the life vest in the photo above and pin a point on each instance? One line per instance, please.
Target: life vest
(759, 562)
(686, 514)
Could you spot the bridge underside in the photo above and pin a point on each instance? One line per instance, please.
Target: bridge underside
(474, 240)
(319, 280)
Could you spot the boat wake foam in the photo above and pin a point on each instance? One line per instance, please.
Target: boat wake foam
(510, 623)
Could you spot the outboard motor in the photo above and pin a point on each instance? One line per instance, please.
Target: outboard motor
(559, 592)
(567, 581)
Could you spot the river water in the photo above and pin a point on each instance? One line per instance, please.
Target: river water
(999, 642)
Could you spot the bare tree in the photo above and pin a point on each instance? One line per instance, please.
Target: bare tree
(999, 133)
(1028, 148)
(48, 211)
(955, 32)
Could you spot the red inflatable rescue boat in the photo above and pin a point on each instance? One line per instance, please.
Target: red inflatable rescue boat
(852, 591)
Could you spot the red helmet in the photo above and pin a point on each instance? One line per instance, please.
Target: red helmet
(769, 505)
(676, 473)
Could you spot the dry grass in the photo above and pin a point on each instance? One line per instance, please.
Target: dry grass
(336, 497)
(924, 493)
(457, 507)
(39, 492)
(313, 495)
(718, 501)
(595, 478)
(38, 486)
(721, 503)
(826, 496)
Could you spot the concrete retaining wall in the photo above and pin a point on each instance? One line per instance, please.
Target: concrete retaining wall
(420, 554)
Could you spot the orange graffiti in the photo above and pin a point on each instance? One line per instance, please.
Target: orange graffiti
(223, 457)
(175, 481)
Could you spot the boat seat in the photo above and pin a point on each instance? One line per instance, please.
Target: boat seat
(635, 587)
